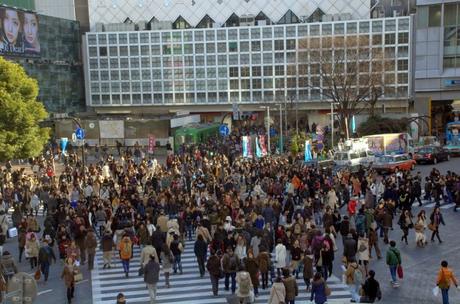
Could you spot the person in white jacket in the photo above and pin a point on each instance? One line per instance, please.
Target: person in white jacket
(280, 256)
(278, 292)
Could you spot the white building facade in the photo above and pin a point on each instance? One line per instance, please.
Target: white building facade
(245, 65)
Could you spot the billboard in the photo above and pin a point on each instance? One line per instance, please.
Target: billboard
(19, 33)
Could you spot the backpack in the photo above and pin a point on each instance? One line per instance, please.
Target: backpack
(245, 283)
(175, 248)
(357, 276)
(233, 263)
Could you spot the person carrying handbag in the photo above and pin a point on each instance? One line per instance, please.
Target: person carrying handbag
(277, 292)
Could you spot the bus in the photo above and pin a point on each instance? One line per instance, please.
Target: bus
(193, 134)
(453, 138)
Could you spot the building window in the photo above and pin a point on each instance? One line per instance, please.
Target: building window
(434, 15)
(289, 18)
(181, 23)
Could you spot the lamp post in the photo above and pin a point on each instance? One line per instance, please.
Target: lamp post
(281, 128)
(332, 124)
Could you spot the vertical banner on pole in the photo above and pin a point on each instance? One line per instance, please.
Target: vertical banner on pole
(258, 149)
(263, 145)
(308, 156)
(64, 141)
(247, 149)
(151, 144)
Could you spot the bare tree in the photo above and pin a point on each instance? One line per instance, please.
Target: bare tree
(346, 70)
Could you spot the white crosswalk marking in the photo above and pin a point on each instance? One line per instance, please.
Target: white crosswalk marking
(186, 288)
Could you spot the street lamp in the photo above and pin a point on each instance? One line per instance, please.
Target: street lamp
(332, 123)
(268, 127)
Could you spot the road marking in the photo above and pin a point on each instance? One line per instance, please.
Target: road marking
(44, 291)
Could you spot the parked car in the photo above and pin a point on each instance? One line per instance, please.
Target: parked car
(431, 154)
(392, 163)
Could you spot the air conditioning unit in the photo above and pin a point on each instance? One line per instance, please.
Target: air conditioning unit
(336, 17)
(303, 19)
(261, 22)
(216, 25)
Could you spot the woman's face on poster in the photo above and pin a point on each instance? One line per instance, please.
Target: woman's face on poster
(30, 28)
(11, 25)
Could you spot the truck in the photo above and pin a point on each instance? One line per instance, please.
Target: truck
(390, 144)
(453, 138)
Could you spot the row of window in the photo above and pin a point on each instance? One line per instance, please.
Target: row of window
(233, 84)
(321, 29)
(246, 46)
(221, 97)
(244, 71)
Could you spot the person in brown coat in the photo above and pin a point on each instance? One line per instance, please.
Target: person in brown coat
(21, 242)
(252, 266)
(68, 277)
(292, 290)
(91, 245)
(215, 271)
(387, 223)
(263, 260)
(307, 262)
(374, 242)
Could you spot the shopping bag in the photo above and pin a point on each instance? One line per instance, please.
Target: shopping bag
(37, 275)
(400, 272)
(12, 232)
(78, 277)
(436, 291)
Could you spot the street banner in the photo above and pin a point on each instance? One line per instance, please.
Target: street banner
(308, 156)
(263, 145)
(64, 141)
(247, 151)
(258, 149)
(151, 144)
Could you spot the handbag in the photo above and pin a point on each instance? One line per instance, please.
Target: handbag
(140, 272)
(400, 272)
(37, 275)
(327, 290)
(78, 277)
(431, 227)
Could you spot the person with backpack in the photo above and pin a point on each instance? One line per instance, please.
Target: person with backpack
(167, 259)
(176, 249)
(444, 280)
(244, 291)
(393, 260)
(354, 279)
(371, 289)
(215, 271)
(230, 265)
(45, 257)
(125, 249)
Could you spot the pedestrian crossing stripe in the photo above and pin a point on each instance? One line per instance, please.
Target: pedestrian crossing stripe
(188, 287)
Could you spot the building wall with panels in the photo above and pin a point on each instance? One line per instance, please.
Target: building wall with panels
(117, 11)
(247, 65)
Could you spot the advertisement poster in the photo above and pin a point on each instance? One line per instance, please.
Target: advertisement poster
(376, 144)
(261, 146)
(151, 144)
(308, 156)
(19, 33)
(247, 150)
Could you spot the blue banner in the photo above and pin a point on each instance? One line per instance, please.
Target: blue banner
(64, 141)
(308, 156)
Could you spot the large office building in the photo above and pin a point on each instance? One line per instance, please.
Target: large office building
(206, 56)
(437, 62)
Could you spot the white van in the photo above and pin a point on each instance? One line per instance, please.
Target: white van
(353, 158)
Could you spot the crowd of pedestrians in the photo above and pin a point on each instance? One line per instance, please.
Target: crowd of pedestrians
(256, 223)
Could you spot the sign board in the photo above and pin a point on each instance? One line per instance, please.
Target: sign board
(80, 133)
(112, 129)
(224, 130)
(151, 143)
(451, 82)
(182, 121)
